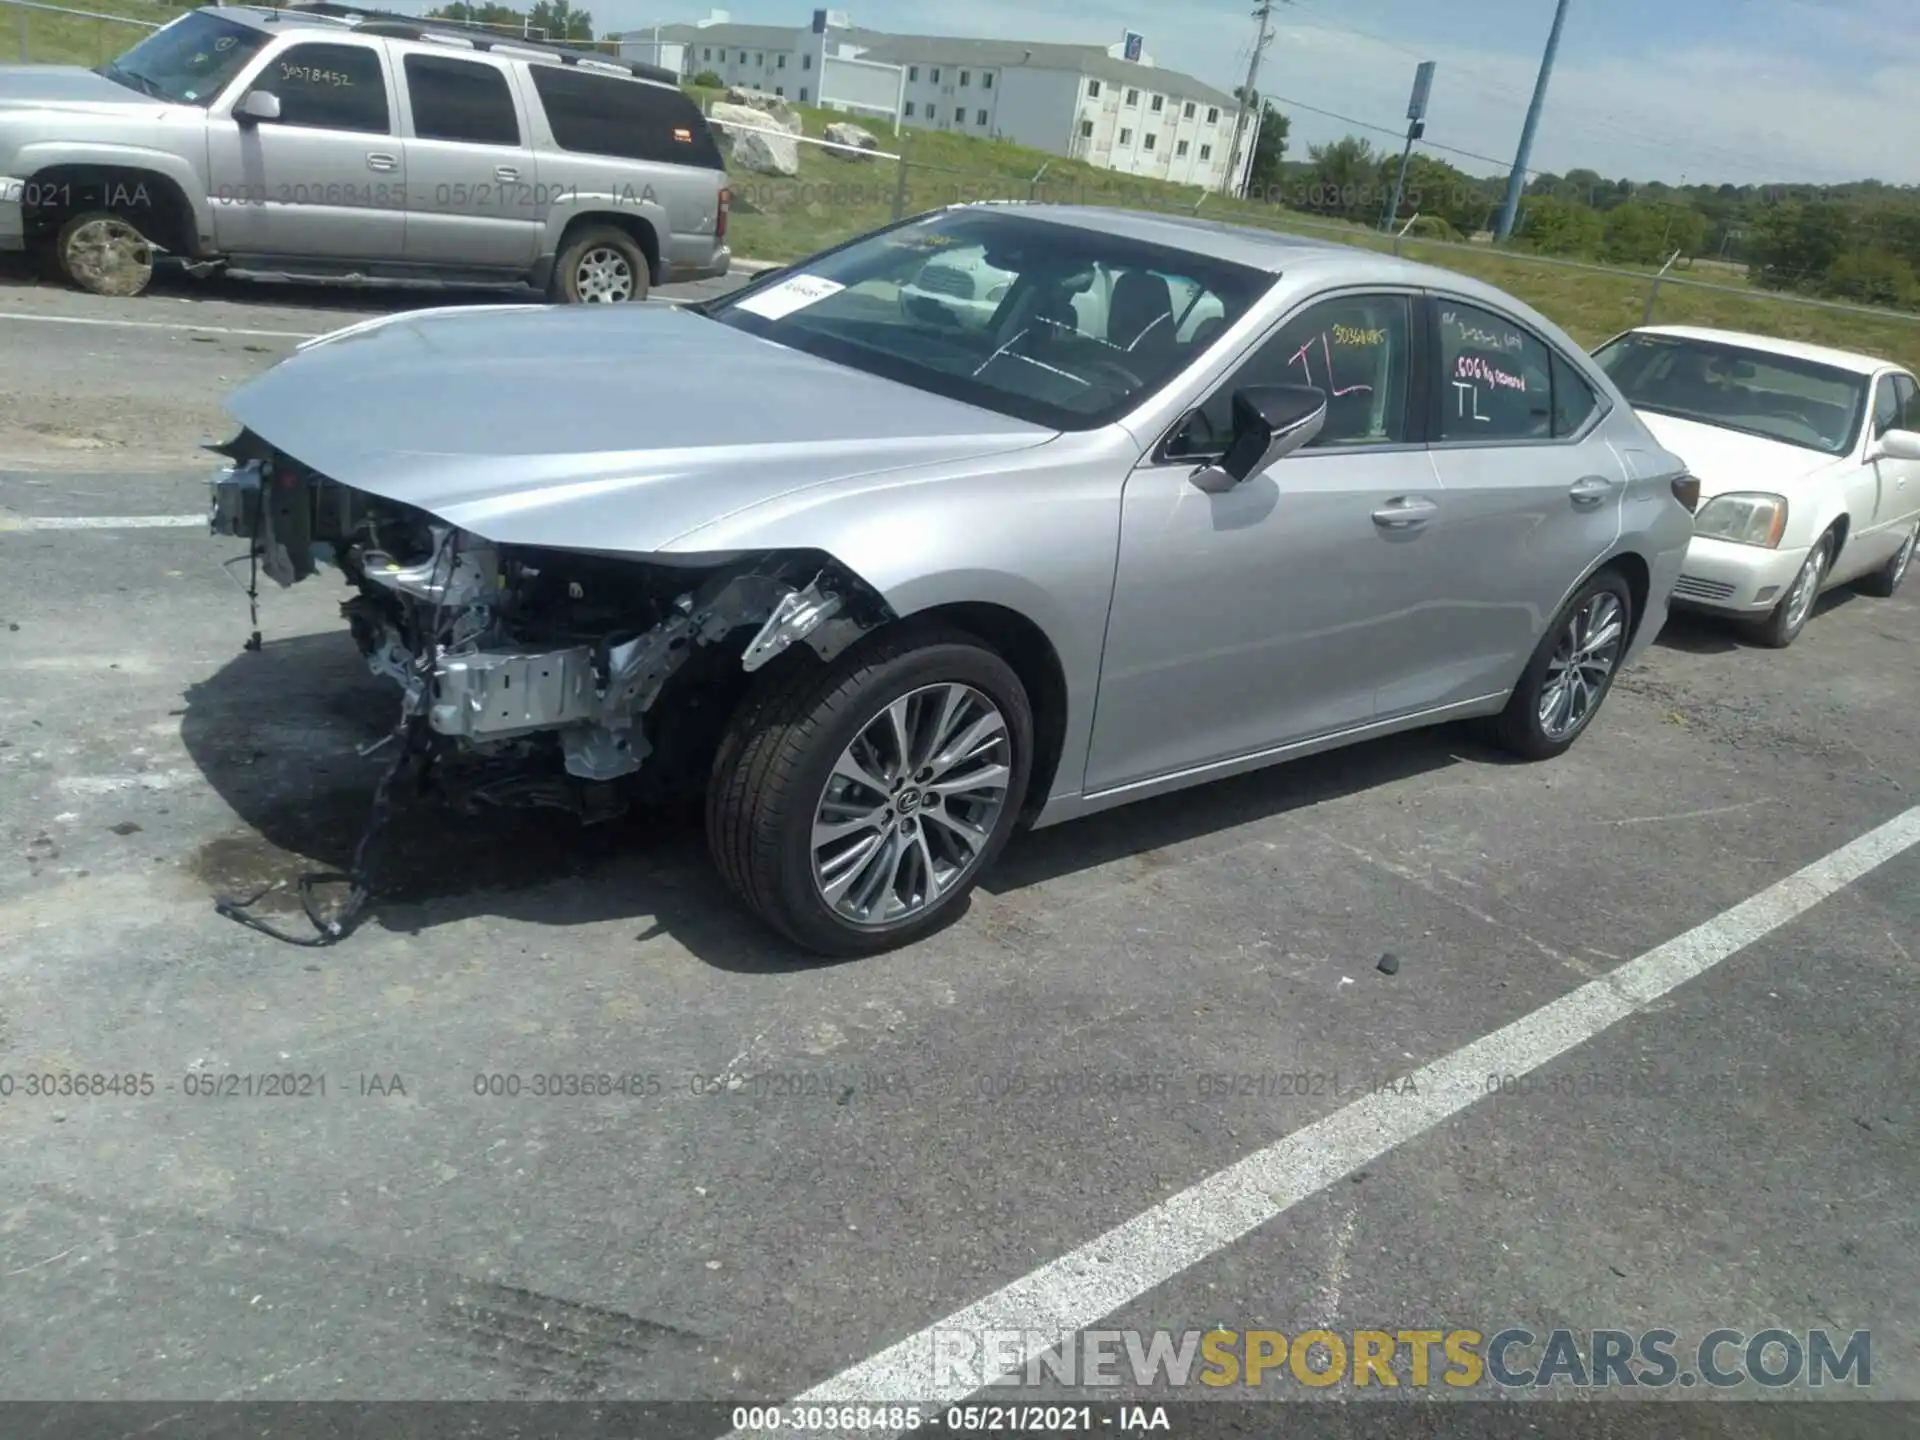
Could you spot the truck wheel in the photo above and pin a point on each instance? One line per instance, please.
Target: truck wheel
(853, 807)
(602, 265)
(104, 254)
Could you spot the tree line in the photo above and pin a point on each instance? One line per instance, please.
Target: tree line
(1858, 242)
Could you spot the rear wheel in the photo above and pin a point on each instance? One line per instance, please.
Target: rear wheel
(1570, 674)
(854, 808)
(1789, 617)
(602, 265)
(1884, 581)
(104, 253)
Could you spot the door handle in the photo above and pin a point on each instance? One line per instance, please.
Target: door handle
(505, 172)
(1590, 490)
(1404, 512)
(378, 160)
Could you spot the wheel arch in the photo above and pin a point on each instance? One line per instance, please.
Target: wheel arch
(636, 225)
(144, 188)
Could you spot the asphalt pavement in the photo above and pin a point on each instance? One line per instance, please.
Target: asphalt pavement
(803, 1166)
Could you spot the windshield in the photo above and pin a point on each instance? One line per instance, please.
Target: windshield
(1797, 401)
(188, 62)
(1054, 324)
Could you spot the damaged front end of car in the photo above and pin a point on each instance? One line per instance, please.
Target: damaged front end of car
(536, 676)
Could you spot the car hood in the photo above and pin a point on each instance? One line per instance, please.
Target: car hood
(64, 87)
(609, 428)
(1723, 460)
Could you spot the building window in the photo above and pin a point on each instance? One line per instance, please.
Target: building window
(1213, 114)
(779, 89)
(986, 81)
(934, 76)
(780, 62)
(1157, 100)
(760, 62)
(803, 94)
(1206, 152)
(1133, 96)
(1086, 129)
(707, 54)
(1148, 141)
(1180, 147)
(979, 117)
(1187, 114)
(1126, 137)
(743, 57)
(1093, 89)
(966, 77)
(909, 109)
(959, 114)
(913, 73)
(806, 62)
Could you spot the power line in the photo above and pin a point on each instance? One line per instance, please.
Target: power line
(1396, 133)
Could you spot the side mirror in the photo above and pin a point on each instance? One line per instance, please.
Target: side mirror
(1897, 445)
(1269, 423)
(257, 105)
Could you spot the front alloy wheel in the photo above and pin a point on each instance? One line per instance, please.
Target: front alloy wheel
(854, 805)
(908, 809)
(1789, 617)
(1884, 581)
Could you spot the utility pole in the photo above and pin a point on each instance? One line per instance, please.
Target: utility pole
(1517, 181)
(1416, 127)
(1247, 95)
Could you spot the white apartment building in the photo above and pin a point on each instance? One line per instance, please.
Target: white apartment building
(1087, 102)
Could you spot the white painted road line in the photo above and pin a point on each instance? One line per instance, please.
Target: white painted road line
(158, 325)
(100, 522)
(1080, 1288)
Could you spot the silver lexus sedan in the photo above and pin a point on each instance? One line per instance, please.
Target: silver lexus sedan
(883, 578)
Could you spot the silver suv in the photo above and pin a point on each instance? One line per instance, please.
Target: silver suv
(333, 143)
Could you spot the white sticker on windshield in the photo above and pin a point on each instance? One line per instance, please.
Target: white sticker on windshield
(790, 295)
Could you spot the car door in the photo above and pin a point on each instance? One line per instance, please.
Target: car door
(1533, 493)
(472, 180)
(1270, 613)
(326, 179)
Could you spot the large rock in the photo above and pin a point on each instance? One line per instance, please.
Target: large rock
(752, 143)
(842, 132)
(774, 106)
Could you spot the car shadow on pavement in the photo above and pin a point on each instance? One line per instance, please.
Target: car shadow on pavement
(1699, 632)
(277, 733)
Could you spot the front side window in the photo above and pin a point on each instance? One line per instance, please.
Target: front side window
(1058, 325)
(1909, 402)
(1357, 350)
(1495, 382)
(329, 87)
(460, 100)
(1757, 392)
(188, 62)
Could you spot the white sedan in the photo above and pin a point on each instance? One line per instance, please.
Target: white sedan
(1808, 461)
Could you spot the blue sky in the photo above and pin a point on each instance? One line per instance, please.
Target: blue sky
(1745, 91)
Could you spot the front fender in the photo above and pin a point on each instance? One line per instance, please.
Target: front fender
(41, 155)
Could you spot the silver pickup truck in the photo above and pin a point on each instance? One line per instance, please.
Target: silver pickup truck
(333, 143)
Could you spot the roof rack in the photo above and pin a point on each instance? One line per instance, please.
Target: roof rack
(410, 27)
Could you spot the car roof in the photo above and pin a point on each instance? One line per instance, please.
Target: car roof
(1792, 349)
(324, 15)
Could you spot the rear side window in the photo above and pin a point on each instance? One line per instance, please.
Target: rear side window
(1495, 379)
(601, 115)
(460, 100)
(330, 87)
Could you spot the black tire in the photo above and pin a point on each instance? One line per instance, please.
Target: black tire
(1883, 582)
(781, 747)
(104, 254)
(1786, 620)
(1519, 728)
(608, 252)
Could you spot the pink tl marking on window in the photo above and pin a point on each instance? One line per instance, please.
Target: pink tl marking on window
(1351, 389)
